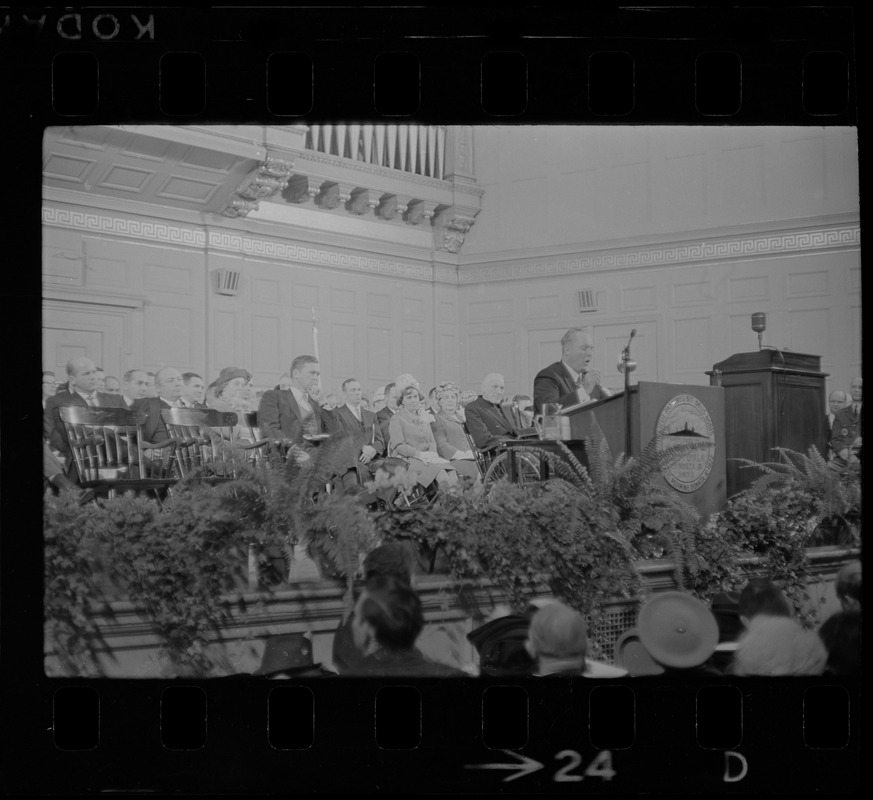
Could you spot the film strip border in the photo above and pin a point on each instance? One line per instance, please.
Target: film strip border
(620, 66)
(649, 735)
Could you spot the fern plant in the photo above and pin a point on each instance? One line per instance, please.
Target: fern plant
(647, 517)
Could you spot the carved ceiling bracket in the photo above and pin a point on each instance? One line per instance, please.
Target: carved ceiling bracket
(333, 195)
(451, 228)
(302, 189)
(270, 177)
(393, 205)
(420, 211)
(363, 201)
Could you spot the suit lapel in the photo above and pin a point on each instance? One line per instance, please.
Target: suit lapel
(569, 383)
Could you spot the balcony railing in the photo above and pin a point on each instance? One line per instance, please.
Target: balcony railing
(417, 149)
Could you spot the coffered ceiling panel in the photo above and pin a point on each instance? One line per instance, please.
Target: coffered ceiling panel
(132, 164)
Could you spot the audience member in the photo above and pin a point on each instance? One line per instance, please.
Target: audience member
(572, 379)
(365, 439)
(378, 399)
(101, 379)
(848, 586)
(284, 382)
(841, 636)
(49, 386)
(486, 420)
(168, 385)
(112, 385)
(846, 432)
(837, 400)
(396, 559)
(152, 389)
(330, 402)
(411, 438)
(193, 390)
(524, 406)
(386, 622)
(778, 645)
(762, 597)
(432, 403)
(558, 641)
(501, 643)
(82, 391)
(290, 415)
(448, 432)
(135, 386)
(679, 633)
(383, 416)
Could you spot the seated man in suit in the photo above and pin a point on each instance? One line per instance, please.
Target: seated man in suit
(168, 385)
(290, 414)
(112, 385)
(193, 390)
(135, 386)
(82, 391)
(572, 379)
(384, 414)
(486, 420)
(365, 438)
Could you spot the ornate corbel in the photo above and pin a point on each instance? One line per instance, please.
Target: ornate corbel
(419, 211)
(302, 189)
(270, 177)
(333, 195)
(363, 200)
(393, 205)
(450, 230)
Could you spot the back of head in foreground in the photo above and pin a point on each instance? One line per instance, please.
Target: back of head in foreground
(558, 639)
(762, 597)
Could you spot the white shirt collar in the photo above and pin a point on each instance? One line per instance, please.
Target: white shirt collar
(301, 397)
(356, 411)
(86, 395)
(573, 374)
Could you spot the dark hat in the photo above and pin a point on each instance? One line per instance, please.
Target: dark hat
(501, 646)
(287, 653)
(632, 656)
(677, 630)
(228, 374)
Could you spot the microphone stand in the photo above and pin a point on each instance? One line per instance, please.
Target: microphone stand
(627, 366)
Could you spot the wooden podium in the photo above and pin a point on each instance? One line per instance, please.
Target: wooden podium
(681, 412)
(772, 398)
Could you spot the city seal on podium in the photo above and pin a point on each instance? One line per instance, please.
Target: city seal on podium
(685, 419)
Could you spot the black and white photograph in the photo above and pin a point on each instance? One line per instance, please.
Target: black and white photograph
(295, 375)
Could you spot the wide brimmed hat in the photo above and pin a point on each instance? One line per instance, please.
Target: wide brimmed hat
(227, 375)
(500, 644)
(677, 630)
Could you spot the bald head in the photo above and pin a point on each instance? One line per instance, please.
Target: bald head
(492, 387)
(836, 400)
(82, 374)
(577, 349)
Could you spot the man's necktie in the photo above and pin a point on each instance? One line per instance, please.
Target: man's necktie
(91, 400)
(580, 380)
(857, 409)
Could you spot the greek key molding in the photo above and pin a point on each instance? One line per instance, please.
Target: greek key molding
(846, 237)
(124, 226)
(247, 244)
(319, 256)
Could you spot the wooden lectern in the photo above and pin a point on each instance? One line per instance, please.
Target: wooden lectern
(681, 412)
(772, 398)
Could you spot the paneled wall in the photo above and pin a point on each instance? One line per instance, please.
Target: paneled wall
(687, 317)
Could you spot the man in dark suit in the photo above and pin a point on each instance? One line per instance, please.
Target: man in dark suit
(365, 439)
(82, 391)
(486, 421)
(168, 384)
(383, 416)
(572, 379)
(193, 390)
(289, 414)
(134, 386)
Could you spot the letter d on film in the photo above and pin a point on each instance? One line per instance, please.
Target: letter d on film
(744, 766)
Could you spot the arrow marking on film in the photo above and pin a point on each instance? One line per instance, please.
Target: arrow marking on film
(527, 766)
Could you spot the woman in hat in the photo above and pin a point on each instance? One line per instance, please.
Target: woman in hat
(411, 438)
(232, 391)
(448, 431)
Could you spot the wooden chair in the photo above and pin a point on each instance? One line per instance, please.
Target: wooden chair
(272, 450)
(111, 455)
(208, 446)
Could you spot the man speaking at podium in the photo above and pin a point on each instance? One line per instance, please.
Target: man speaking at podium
(570, 380)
